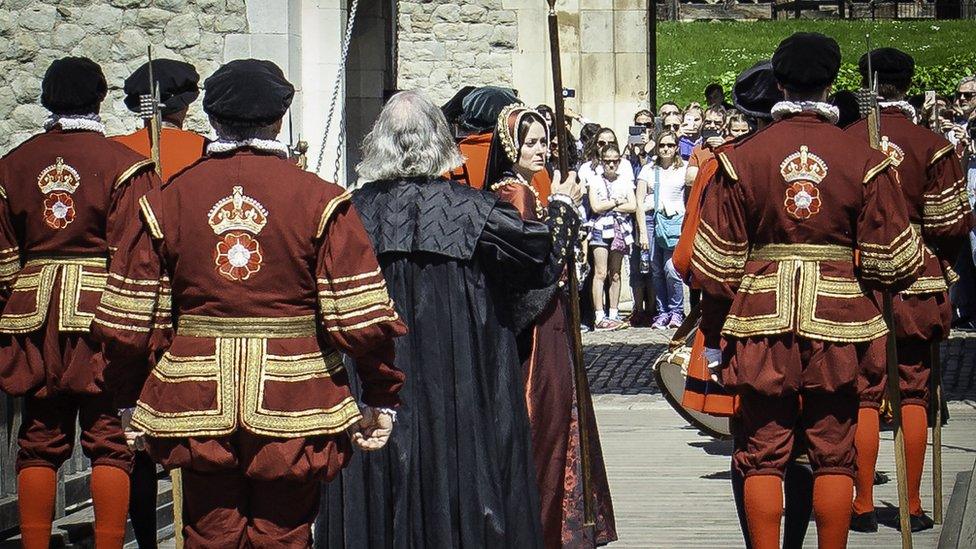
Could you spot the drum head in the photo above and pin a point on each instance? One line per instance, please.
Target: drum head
(670, 379)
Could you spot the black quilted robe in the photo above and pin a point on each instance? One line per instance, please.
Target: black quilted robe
(458, 469)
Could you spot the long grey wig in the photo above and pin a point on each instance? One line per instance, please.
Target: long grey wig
(409, 139)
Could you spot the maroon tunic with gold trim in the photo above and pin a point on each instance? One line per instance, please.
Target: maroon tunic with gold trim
(62, 196)
(781, 224)
(935, 193)
(272, 276)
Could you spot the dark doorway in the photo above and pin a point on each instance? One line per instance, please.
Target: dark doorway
(370, 73)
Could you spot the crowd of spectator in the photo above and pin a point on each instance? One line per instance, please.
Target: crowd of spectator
(635, 193)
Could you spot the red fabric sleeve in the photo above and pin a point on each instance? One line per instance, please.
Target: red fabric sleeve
(356, 308)
(689, 227)
(521, 197)
(889, 250)
(946, 214)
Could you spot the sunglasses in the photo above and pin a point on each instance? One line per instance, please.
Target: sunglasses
(672, 126)
(604, 143)
(666, 145)
(611, 162)
(966, 95)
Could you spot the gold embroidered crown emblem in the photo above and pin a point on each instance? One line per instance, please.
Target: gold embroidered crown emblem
(803, 166)
(894, 152)
(238, 212)
(58, 177)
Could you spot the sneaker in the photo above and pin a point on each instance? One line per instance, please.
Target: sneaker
(676, 320)
(661, 321)
(864, 522)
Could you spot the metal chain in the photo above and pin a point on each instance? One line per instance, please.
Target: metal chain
(340, 73)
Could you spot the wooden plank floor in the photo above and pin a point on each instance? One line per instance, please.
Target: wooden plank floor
(671, 488)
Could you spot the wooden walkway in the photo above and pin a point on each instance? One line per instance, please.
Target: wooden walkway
(671, 488)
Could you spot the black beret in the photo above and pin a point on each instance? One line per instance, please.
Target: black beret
(177, 82)
(483, 105)
(73, 85)
(892, 66)
(755, 91)
(247, 92)
(806, 62)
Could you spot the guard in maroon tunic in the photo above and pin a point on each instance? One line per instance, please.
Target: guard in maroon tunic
(249, 396)
(64, 195)
(781, 223)
(935, 192)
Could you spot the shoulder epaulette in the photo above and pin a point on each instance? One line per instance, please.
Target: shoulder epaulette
(155, 230)
(941, 152)
(873, 172)
(133, 170)
(727, 166)
(330, 209)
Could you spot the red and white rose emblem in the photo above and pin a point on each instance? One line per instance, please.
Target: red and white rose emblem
(237, 256)
(802, 200)
(59, 210)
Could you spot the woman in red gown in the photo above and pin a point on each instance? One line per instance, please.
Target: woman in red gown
(519, 150)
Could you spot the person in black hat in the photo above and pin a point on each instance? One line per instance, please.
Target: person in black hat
(477, 111)
(250, 398)
(934, 189)
(65, 196)
(789, 318)
(178, 89)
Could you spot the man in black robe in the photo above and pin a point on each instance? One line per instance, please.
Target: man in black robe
(458, 469)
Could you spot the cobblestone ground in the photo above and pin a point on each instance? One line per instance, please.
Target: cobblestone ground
(619, 362)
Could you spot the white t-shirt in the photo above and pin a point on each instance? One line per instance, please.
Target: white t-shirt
(671, 182)
(622, 187)
(590, 173)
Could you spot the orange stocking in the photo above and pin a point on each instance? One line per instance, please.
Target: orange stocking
(866, 441)
(832, 509)
(915, 421)
(35, 495)
(110, 495)
(763, 496)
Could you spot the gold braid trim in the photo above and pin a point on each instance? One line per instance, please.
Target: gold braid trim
(3, 192)
(889, 262)
(873, 172)
(251, 327)
(727, 164)
(330, 209)
(801, 252)
(352, 278)
(155, 230)
(927, 285)
(940, 153)
(131, 171)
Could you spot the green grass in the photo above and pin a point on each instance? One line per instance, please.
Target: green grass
(691, 55)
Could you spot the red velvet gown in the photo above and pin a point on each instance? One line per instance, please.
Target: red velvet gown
(550, 395)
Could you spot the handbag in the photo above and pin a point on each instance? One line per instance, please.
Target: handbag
(667, 229)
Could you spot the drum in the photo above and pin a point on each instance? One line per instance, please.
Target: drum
(670, 373)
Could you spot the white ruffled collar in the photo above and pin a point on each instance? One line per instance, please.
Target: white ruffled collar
(265, 145)
(904, 106)
(84, 122)
(824, 110)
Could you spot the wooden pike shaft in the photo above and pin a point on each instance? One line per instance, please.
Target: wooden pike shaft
(935, 396)
(894, 396)
(583, 400)
(891, 356)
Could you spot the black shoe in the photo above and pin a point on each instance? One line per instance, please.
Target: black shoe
(864, 522)
(920, 522)
(881, 478)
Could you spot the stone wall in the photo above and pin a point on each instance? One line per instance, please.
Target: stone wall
(444, 45)
(113, 33)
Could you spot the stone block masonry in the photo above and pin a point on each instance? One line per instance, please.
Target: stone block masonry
(444, 45)
(113, 33)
